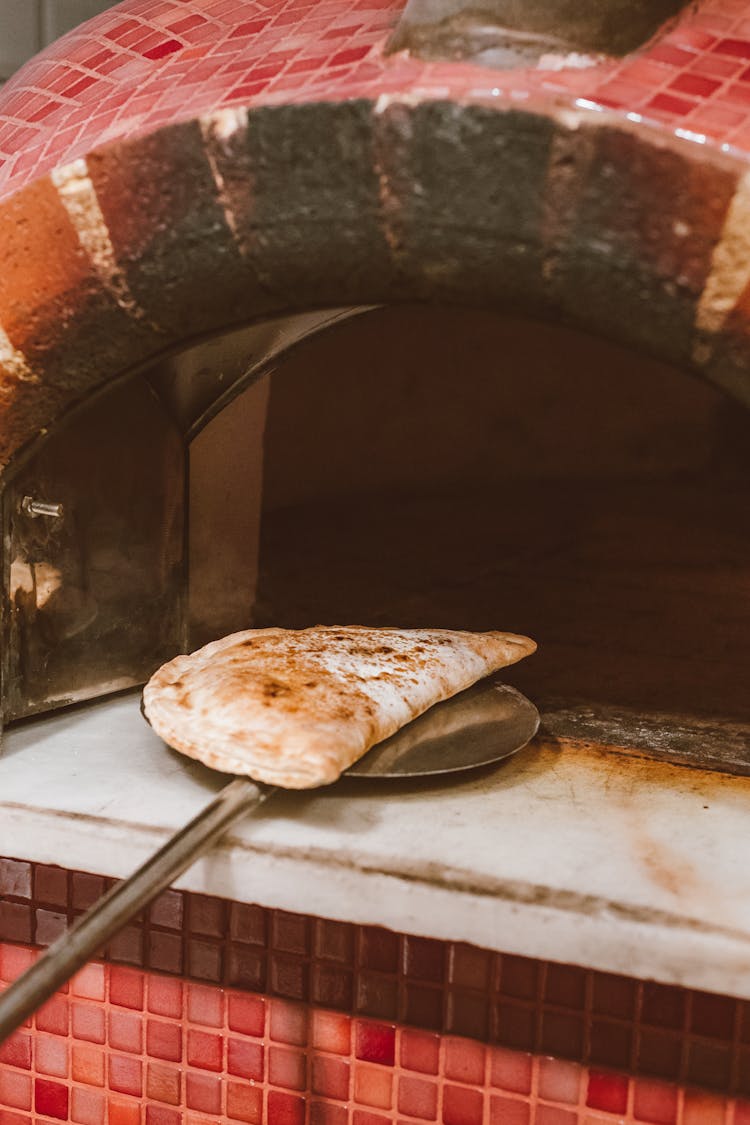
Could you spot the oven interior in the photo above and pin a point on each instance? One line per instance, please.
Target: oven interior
(407, 465)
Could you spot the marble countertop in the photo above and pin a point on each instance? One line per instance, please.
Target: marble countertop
(596, 859)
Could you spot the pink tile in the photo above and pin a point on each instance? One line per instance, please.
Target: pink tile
(655, 1102)
(203, 1092)
(89, 983)
(205, 1005)
(559, 1081)
(164, 1040)
(419, 1051)
(126, 1075)
(87, 1022)
(331, 1032)
(87, 1064)
(87, 1107)
(288, 1022)
(53, 1016)
(418, 1098)
(204, 1050)
(373, 1086)
(464, 1061)
(330, 1077)
(126, 987)
(286, 1068)
(126, 1031)
(165, 996)
(15, 1089)
(51, 1055)
(245, 1059)
(462, 1106)
(509, 1111)
(510, 1070)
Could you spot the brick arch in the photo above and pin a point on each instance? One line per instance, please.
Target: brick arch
(150, 243)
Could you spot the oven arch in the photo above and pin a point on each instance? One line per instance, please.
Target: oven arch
(204, 226)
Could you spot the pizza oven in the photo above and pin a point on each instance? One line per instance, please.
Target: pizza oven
(414, 464)
(447, 331)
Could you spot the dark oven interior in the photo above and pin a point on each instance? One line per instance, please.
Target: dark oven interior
(407, 465)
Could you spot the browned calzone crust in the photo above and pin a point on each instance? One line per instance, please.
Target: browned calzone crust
(296, 707)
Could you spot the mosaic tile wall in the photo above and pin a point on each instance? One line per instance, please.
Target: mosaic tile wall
(146, 63)
(213, 1011)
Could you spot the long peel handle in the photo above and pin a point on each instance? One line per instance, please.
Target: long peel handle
(91, 932)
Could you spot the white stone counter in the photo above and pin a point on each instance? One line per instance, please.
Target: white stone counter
(600, 860)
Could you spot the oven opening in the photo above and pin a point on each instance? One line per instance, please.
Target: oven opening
(408, 465)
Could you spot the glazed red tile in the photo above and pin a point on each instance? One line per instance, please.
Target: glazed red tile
(244, 1103)
(123, 1112)
(332, 1032)
(15, 1089)
(375, 1042)
(247, 1014)
(87, 1064)
(330, 1077)
(655, 1102)
(125, 1031)
(14, 960)
(53, 1016)
(559, 1081)
(287, 1068)
(51, 1055)
(245, 1059)
(165, 997)
(125, 1075)
(163, 1083)
(373, 1086)
(87, 1107)
(203, 1092)
(607, 1091)
(702, 1109)
(164, 1040)
(462, 1106)
(554, 1115)
(288, 1023)
(88, 1022)
(326, 1113)
(464, 1061)
(285, 1109)
(417, 1097)
(737, 48)
(89, 983)
(669, 103)
(161, 1115)
(696, 85)
(51, 1099)
(509, 1111)
(126, 987)
(205, 1005)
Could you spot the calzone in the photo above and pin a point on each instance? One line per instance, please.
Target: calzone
(295, 707)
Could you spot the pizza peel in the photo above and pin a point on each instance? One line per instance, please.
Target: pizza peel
(478, 727)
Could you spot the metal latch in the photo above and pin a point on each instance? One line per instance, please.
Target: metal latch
(35, 508)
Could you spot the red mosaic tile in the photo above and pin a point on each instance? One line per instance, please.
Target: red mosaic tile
(375, 1042)
(51, 1099)
(332, 1032)
(607, 1091)
(462, 1106)
(330, 1077)
(163, 1083)
(126, 987)
(244, 1103)
(165, 997)
(286, 1109)
(164, 1040)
